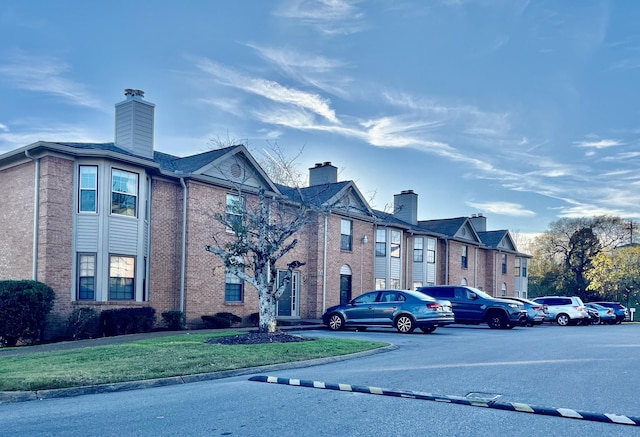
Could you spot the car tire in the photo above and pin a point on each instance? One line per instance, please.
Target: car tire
(428, 329)
(563, 319)
(595, 321)
(405, 324)
(336, 322)
(497, 320)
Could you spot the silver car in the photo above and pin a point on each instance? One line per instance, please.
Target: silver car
(404, 310)
(564, 310)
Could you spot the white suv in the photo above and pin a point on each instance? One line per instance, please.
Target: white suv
(564, 310)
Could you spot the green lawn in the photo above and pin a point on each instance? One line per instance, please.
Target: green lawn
(184, 354)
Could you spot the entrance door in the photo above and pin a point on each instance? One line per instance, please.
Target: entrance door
(345, 289)
(288, 300)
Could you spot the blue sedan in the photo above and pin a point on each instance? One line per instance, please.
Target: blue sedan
(404, 310)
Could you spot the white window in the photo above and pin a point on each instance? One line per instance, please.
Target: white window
(122, 277)
(86, 276)
(88, 188)
(381, 242)
(124, 193)
(235, 209)
(394, 250)
(346, 235)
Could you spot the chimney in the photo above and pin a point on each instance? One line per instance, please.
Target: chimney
(405, 206)
(323, 173)
(479, 222)
(135, 124)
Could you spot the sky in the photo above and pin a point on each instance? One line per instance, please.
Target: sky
(525, 111)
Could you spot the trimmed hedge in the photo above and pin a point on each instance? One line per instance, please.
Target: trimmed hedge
(83, 323)
(24, 306)
(174, 320)
(127, 321)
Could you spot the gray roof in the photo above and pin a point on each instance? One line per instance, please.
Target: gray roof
(448, 227)
(316, 194)
(492, 238)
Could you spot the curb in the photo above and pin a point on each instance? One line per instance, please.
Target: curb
(24, 396)
(566, 413)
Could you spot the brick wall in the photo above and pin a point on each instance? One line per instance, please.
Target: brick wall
(55, 254)
(166, 245)
(16, 222)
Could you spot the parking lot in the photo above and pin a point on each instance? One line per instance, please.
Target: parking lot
(572, 368)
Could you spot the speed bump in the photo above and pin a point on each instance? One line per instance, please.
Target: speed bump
(507, 406)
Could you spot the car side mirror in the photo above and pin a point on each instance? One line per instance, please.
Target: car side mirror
(473, 296)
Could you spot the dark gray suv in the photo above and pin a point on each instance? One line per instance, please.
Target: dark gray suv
(472, 306)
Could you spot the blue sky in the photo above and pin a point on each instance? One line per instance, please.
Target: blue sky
(525, 111)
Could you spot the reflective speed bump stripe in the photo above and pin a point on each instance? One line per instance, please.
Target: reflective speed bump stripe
(506, 406)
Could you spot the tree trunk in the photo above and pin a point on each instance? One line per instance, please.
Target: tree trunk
(268, 322)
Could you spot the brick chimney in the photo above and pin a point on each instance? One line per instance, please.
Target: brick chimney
(405, 206)
(135, 124)
(323, 173)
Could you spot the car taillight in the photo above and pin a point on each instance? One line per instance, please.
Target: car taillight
(537, 308)
(433, 306)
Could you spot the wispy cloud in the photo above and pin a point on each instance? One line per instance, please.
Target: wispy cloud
(329, 17)
(4, 127)
(319, 71)
(46, 75)
(599, 144)
(68, 133)
(502, 208)
(268, 89)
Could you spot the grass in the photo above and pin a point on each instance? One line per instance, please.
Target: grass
(178, 355)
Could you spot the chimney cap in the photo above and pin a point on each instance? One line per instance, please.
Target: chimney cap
(131, 92)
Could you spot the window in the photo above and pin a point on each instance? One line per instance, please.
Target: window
(517, 266)
(346, 234)
(86, 276)
(394, 284)
(88, 188)
(124, 193)
(235, 209)
(504, 289)
(417, 285)
(504, 264)
(418, 250)
(465, 258)
(381, 283)
(121, 277)
(394, 249)
(524, 268)
(233, 288)
(431, 250)
(381, 242)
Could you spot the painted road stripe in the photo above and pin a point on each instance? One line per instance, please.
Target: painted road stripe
(515, 406)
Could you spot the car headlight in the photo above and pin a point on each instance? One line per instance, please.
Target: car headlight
(514, 305)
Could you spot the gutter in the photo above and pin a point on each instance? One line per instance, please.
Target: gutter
(36, 215)
(183, 261)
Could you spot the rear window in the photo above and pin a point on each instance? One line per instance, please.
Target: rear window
(441, 292)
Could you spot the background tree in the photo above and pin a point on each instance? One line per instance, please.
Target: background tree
(616, 275)
(563, 253)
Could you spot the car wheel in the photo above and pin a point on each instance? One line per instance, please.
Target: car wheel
(336, 322)
(497, 320)
(405, 324)
(428, 329)
(563, 319)
(595, 321)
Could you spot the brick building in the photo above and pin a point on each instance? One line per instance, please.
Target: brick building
(119, 224)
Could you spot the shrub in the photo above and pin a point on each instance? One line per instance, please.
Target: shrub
(84, 322)
(174, 320)
(232, 318)
(127, 321)
(253, 319)
(24, 306)
(216, 322)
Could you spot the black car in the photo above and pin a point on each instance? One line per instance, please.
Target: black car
(622, 313)
(472, 306)
(404, 310)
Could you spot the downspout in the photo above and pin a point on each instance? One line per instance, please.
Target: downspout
(324, 263)
(183, 261)
(475, 268)
(36, 214)
(406, 263)
(446, 262)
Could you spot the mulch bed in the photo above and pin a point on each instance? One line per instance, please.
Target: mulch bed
(255, 337)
